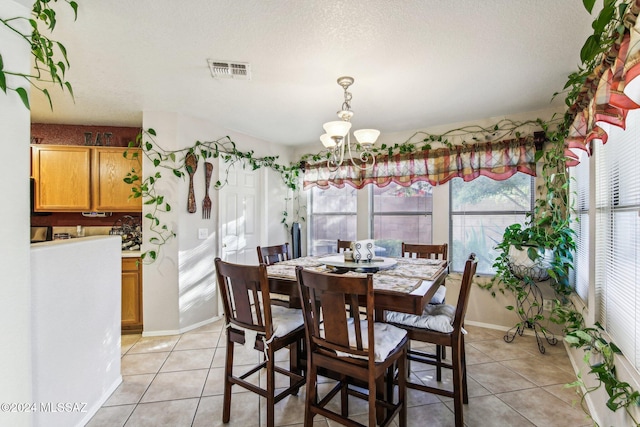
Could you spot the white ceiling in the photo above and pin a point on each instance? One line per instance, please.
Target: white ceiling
(416, 63)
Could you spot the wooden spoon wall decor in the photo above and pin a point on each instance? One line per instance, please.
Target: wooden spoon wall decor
(191, 162)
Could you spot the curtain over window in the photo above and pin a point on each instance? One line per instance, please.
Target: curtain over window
(611, 90)
(497, 160)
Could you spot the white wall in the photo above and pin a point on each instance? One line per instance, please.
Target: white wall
(76, 327)
(15, 295)
(179, 289)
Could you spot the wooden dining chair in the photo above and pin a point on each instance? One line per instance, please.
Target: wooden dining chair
(410, 250)
(442, 325)
(269, 255)
(343, 245)
(351, 346)
(250, 319)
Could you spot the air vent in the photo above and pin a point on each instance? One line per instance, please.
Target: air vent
(230, 70)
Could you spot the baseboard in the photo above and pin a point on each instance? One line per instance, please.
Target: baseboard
(486, 325)
(105, 396)
(181, 330)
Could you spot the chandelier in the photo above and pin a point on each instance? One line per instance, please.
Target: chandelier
(337, 136)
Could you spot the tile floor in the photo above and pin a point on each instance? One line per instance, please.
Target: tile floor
(178, 381)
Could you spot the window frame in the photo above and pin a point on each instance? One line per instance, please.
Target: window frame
(452, 214)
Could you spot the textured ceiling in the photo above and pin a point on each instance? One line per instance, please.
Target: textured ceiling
(416, 63)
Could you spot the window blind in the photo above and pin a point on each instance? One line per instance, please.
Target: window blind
(618, 236)
(579, 193)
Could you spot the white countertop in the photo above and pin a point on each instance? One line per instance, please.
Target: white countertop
(125, 254)
(131, 254)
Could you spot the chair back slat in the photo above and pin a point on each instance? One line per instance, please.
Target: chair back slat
(343, 245)
(465, 291)
(245, 295)
(272, 254)
(334, 316)
(425, 251)
(333, 304)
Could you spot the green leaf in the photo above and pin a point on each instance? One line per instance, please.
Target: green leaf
(3, 82)
(588, 4)
(74, 6)
(151, 131)
(64, 52)
(46, 93)
(590, 48)
(24, 96)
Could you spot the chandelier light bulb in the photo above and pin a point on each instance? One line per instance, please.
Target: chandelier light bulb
(337, 128)
(327, 141)
(366, 136)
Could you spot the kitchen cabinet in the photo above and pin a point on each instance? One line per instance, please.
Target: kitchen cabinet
(62, 178)
(81, 179)
(131, 295)
(109, 192)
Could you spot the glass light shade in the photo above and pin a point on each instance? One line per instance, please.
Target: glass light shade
(366, 136)
(327, 141)
(337, 128)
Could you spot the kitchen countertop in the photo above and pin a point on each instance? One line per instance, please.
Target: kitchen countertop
(131, 254)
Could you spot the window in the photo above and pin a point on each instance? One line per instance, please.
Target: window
(579, 196)
(401, 214)
(617, 239)
(480, 211)
(332, 216)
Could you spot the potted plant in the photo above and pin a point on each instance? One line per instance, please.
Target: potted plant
(541, 249)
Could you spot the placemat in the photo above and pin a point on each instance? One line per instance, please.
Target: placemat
(416, 268)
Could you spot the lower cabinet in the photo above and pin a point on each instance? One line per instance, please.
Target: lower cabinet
(131, 295)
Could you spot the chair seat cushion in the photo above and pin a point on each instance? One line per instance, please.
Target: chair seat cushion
(435, 317)
(285, 320)
(438, 297)
(387, 337)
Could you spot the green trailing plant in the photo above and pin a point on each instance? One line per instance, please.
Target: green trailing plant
(548, 226)
(600, 355)
(552, 229)
(50, 61)
(608, 27)
(423, 141)
(173, 162)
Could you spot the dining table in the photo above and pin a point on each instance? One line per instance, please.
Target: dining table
(399, 284)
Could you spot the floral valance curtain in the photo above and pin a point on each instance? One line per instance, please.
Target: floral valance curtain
(610, 91)
(497, 160)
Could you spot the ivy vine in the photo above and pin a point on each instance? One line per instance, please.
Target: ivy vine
(50, 61)
(174, 163)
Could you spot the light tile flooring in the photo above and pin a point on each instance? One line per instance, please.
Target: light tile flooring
(178, 381)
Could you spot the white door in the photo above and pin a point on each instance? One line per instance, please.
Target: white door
(239, 205)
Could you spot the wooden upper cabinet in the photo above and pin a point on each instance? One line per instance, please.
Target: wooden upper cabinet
(62, 178)
(81, 179)
(110, 192)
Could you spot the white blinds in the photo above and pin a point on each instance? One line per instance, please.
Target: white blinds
(579, 193)
(618, 236)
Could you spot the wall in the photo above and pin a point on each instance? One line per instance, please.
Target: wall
(15, 294)
(179, 288)
(76, 326)
(56, 134)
